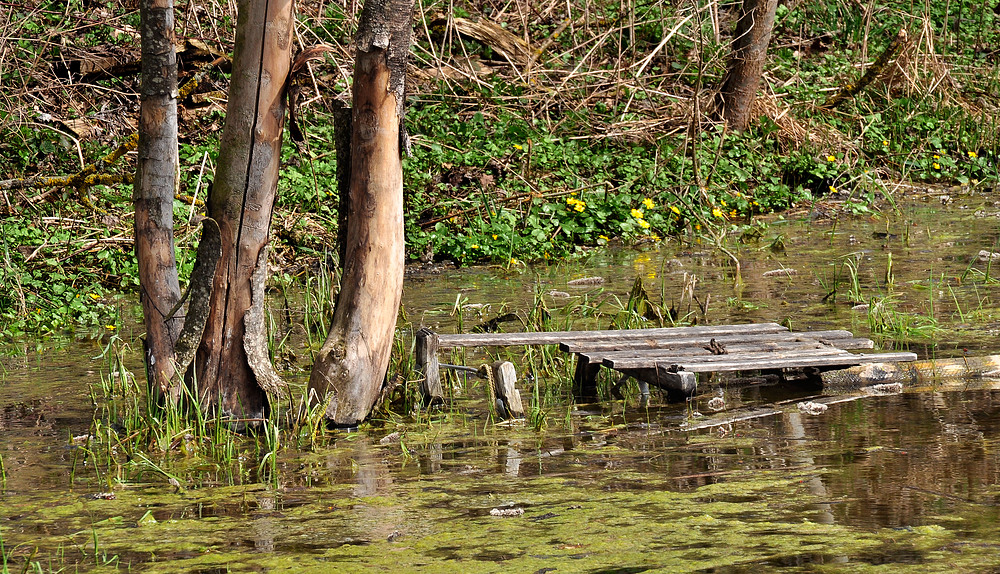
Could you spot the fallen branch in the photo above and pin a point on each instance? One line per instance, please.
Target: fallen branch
(873, 72)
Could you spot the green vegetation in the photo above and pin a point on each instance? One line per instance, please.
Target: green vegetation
(600, 133)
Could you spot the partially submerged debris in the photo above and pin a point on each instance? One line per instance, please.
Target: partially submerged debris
(779, 273)
(506, 512)
(812, 408)
(584, 281)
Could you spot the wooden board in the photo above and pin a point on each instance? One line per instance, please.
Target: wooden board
(642, 355)
(788, 362)
(839, 338)
(556, 337)
(632, 361)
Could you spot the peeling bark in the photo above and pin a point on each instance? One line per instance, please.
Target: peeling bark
(241, 201)
(351, 366)
(749, 51)
(155, 182)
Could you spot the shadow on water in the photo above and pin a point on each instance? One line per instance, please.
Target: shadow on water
(909, 481)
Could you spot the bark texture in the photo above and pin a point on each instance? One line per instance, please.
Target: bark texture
(749, 51)
(155, 182)
(241, 202)
(351, 366)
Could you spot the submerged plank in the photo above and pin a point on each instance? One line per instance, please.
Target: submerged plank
(556, 337)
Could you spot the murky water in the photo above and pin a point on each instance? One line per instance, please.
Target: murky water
(906, 482)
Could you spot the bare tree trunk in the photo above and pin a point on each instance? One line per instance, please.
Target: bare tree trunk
(232, 370)
(351, 366)
(749, 51)
(155, 182)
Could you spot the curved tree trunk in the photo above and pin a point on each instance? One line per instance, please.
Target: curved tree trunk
(155, 181)
(241, 202)
(749, 51)
(351, 366)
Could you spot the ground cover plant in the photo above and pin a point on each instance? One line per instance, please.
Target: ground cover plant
(537, 132)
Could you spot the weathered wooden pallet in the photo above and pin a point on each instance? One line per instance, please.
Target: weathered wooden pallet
(670, 357)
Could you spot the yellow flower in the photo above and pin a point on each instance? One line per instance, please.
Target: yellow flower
(94, 296)
(517, 147)
(603, 238)
(494, 236)
(110, 327)
(833, 189)
(697, 227)
(885, 143)
(580, 206)
(937, 165)
(675, 210)
(654, 237)
(936, 156)
(973, 155)
(733, 214)
(648, 203)
(474, 246)
(643, 224)
(831, 158)
(718, 212)
(637, 213)
(723, 202)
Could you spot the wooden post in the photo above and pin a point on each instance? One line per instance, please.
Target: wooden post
(505, 390)
(427, 363)
(678, 384)
(585, 379)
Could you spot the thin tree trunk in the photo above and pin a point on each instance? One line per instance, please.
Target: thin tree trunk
(351, 366)
(231, 369)
(155, 181)
(749, 51)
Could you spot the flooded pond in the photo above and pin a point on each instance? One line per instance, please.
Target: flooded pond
(904, 482)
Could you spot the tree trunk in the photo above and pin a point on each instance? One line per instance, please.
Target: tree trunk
(351, 366)
(231, 366)
(749, 50)
(155, 181)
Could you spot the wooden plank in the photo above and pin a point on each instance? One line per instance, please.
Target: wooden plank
(617, 361)
(556, 337)
(834, 337)
(685, 352)
(846, 359)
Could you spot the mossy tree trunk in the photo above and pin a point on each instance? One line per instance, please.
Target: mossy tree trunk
(153, 194)
(351, 366)
(746, 65)
(231, 370)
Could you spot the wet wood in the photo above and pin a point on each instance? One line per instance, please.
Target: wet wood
(790, 361)
(505, 390)
(428, 366)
